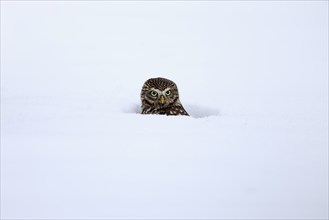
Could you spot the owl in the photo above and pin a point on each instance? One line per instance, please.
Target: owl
(160, 96)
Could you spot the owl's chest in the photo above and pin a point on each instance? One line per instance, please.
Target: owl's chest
(168, 110)
(171, 110)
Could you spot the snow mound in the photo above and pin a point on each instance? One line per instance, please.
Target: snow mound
(197, 111)
(194, 111)
(132, 109)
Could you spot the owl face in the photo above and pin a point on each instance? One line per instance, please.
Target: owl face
(160, 96)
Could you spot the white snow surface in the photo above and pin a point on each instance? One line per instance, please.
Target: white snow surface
(253, 76)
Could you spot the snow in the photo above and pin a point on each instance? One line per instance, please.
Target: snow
(252, 75)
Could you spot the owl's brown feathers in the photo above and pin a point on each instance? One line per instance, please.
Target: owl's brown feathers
(160, 96)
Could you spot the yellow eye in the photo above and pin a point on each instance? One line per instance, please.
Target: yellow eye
(168, 92)
(154, 93)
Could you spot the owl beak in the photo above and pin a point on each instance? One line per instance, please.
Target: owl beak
(162, 99)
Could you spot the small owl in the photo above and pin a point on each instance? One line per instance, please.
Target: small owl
(160, 96)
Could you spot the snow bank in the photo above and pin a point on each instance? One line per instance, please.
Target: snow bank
(252, 75)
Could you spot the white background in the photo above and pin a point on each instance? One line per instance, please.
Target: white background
(253, 75)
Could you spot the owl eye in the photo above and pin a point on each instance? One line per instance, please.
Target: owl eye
(154, 93)
(168, 92)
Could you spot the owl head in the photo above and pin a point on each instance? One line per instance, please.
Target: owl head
(160, 96)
